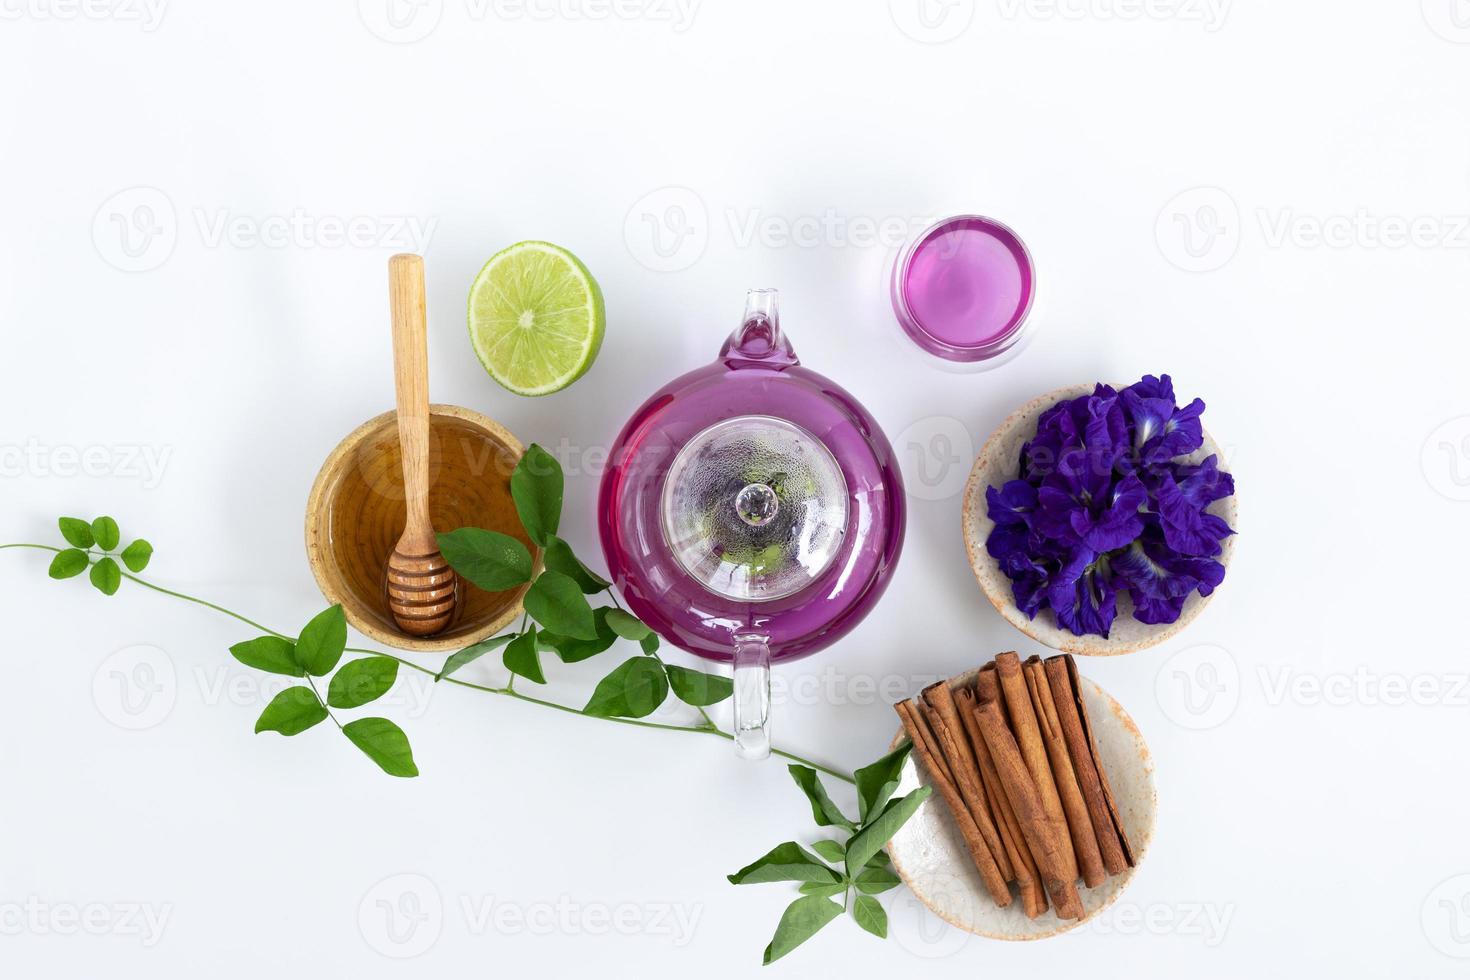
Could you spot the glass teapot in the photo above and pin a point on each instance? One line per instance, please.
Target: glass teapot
(752, 512)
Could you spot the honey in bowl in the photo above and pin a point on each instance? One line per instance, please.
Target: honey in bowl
(356, 515)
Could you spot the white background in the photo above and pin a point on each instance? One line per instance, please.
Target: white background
(1308, 729)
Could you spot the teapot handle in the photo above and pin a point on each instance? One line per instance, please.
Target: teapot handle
(752, 696)
(759, 340)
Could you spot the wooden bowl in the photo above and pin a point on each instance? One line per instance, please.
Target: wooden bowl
(998, 462)
(930, 856)
(355, 514)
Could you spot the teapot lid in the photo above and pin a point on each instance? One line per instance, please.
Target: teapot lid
(754, 508)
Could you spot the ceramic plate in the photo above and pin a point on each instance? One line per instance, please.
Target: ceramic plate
(930, 856)
(999, 462)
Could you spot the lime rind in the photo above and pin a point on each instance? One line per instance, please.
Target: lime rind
(536, 318)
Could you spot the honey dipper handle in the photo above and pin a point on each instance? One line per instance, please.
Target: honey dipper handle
(411, 380)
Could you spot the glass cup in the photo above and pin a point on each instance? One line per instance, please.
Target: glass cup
(963, 290)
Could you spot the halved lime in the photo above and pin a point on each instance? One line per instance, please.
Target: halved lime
(536, 318)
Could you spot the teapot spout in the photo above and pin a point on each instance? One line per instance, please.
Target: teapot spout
(759, 338)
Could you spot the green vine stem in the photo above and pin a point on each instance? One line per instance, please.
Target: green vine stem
(706, 727)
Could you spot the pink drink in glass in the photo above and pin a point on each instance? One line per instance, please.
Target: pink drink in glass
(963, 287)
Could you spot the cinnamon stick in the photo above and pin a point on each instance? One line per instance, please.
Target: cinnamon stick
(927, 752)
(987, 687)
(944, 722)
(1028, 880)
(1079, 823)
(1112, 840)
(1028, 737)
(1042, 835)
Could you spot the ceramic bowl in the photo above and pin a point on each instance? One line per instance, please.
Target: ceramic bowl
(998, 462)
(355, 514)
(930, 856)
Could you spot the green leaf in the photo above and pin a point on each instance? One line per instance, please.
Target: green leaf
(104, 529)
(521, 657)
(491, 560)
(626, 625)
(106, 576)
(785, 862)
(870, 915)
(384, 743)
(556, 603)
(634, 689)
(876, 832)
(557, 556)
(830, 849)
(824, 811)
(291, 712)
(649, 643)
(269, 653)
(826, 891)
(137, 555)
(322, 641)
(536, 488)
(875, 881)
(802, 920)
(876, 782)
(68, 563)
(361, 681)
(572, 650)
(78, 533)
(698, 688)
(472, 653)
(879, 860)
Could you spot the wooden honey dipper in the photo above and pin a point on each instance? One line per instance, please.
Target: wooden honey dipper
(421, 585)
